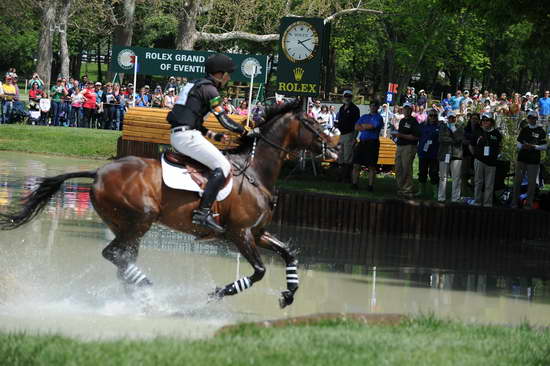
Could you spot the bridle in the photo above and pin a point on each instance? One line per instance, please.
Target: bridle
(304, 121)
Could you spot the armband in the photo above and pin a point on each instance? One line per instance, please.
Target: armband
(214, 102)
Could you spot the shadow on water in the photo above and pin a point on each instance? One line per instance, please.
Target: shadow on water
(488, 281)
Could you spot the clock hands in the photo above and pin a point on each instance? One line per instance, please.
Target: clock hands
(303, 45)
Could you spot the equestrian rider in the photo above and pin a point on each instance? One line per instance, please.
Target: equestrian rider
(197, 99)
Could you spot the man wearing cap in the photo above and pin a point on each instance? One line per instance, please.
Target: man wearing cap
(531, 141)
(450, 153)
(366, 151)
(195, 101)
(428, 146)
(171, 84)
(487, 142)
(347, 117)
(407, 136)
(544, 107)
(8, 94)
(57, 92)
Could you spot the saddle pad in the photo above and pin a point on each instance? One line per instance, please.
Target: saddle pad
(178, 178)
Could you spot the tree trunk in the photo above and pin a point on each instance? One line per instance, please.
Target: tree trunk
(63, 46)
(123, 33)
(187, 32)
(45, 52)
(98, 60)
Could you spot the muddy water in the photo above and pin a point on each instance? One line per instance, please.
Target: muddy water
(53, 278)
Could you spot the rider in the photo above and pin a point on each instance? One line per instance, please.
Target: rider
(197, 99)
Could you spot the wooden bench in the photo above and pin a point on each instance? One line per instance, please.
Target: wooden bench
(146, 129)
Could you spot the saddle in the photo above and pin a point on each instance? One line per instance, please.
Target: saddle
(197, 171)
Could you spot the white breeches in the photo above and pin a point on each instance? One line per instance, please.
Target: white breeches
(193, 144)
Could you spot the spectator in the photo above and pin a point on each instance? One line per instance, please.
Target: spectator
(421, 115)
(451, 137)
(8, 96)
(428, 147)
(227, 106)
(158, 98)
(366, 151)
(258, 112)
(89, 107)
(171, 83)
(142, 99)
(242, 109)
(456, 102)
(468, 152)
(325, 117)
(407, 139)
(347, 117)
(422, 101)
(57, 92)
(529, 104)
(387, 116)
(36, 79)
(487, 144)
(77, 101)
(316, 108)
(169, 99)
(98, 117)
(66, 105)
(544, 108)
(45, 107)
(109, 107)
(35, 94)
(446, 103)
(120, 106)
(333, 114)
(309, 112)
(531, 141)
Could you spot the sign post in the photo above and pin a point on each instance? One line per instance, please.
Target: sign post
(250, 96)
(135, 61)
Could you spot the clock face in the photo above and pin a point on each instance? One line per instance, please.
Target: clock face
(300, 41)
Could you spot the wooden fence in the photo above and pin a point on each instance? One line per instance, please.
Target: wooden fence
(410, 219)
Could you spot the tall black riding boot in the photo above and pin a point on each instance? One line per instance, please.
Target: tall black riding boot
(203, 215)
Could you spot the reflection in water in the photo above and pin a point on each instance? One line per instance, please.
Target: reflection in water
(52, 275)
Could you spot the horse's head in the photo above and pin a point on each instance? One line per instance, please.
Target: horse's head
(305, 133)
(288, 128)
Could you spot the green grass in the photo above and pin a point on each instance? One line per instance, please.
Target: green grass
(422, 341)
(78, 142)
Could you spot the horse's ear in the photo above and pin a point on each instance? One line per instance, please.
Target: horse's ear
(297, 105)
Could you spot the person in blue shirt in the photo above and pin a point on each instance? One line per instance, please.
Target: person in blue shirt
(446, 103)
(456, 101)
(544, 107)
(366, 150)
(428, 146)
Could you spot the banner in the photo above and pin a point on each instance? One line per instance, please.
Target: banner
(189, 64)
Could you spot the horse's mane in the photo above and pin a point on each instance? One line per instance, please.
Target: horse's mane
(270, 114)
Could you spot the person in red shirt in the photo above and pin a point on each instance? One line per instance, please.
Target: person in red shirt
(89, 105)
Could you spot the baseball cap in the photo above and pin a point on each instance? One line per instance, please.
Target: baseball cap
(487, 115)
(98, 83)
(533, 114)
(171, 89)
(408, 105)
(451, 114)
(347, 92)
(147, 87)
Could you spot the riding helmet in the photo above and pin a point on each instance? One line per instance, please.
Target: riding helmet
(219, 63)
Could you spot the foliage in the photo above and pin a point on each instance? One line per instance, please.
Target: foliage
(421, 341)
(79, 142)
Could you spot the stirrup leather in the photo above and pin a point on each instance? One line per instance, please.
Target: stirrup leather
(205, 218)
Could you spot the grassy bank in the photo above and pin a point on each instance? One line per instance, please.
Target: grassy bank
(423, 341)
(77, 142)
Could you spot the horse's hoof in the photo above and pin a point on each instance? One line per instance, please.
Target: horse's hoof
(287, 298)
(217, 294)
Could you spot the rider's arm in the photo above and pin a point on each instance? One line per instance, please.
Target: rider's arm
(218, 111)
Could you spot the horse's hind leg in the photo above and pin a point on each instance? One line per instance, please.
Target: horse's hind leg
(123, 254)
(270, 242)
(247, 247)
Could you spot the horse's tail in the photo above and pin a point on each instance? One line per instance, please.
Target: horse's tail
(35, 201)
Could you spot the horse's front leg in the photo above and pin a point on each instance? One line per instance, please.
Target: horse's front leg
(247, 247)
(268, 241)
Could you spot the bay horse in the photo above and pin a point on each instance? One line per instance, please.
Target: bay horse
(129, 195)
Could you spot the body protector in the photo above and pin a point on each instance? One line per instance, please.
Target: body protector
(195, 101)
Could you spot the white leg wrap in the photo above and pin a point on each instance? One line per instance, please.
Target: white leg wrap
(133, 274)
(292, 274)
(242, 284)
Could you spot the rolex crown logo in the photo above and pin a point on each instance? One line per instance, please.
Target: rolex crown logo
(298, 73)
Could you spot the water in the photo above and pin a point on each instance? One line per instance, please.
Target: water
(53, 278)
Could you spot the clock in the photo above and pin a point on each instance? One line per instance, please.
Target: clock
(300, 41)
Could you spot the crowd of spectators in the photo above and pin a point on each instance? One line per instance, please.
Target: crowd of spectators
(457, 137)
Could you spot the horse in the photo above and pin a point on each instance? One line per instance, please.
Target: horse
(129, 195)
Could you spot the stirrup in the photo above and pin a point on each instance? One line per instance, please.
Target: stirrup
(204, 218)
